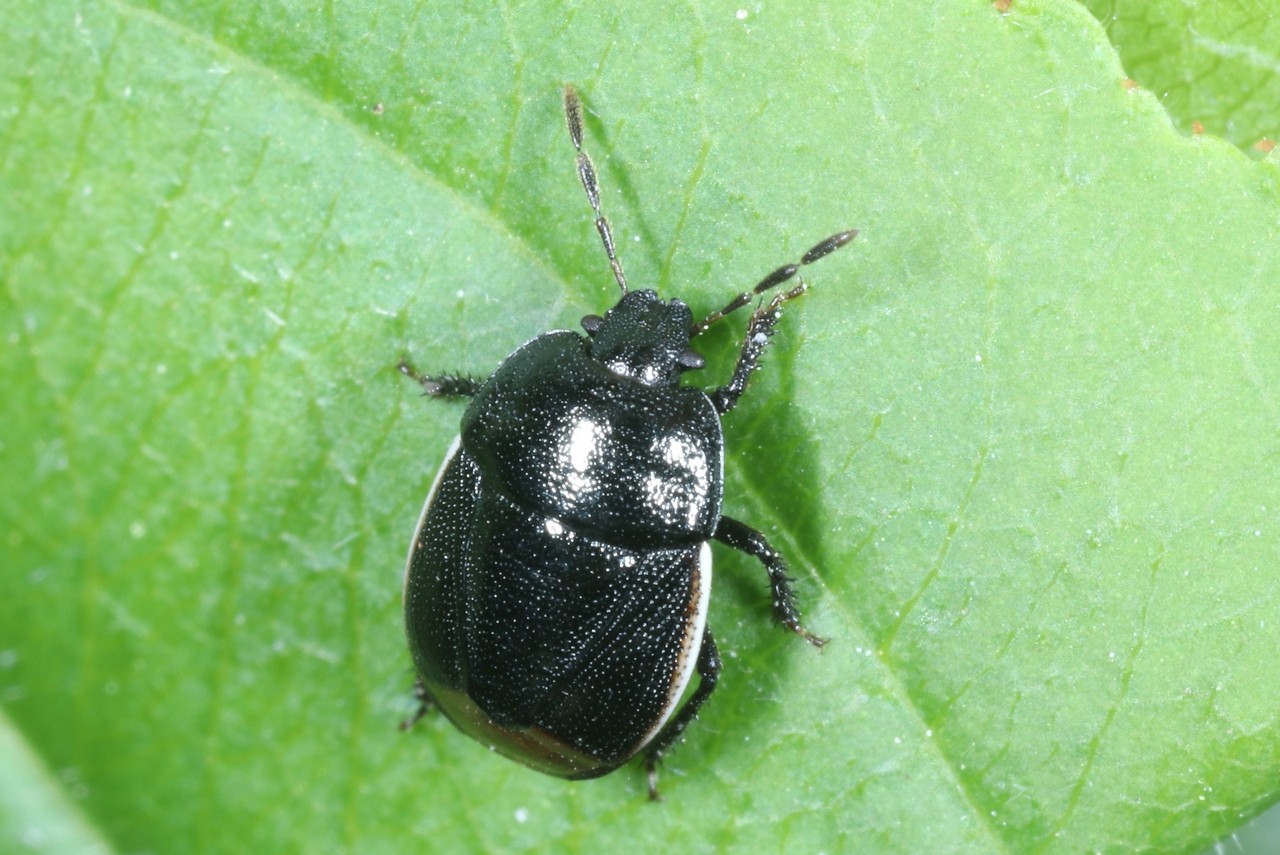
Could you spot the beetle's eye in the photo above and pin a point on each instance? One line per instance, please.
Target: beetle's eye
(591, 323)
(690, 360)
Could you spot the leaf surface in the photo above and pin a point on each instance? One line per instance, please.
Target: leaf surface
(1019, 441)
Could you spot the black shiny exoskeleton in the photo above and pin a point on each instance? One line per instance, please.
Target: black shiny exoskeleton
(557, 585)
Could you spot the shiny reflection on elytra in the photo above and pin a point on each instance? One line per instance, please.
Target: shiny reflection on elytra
(581, 449)
(676, 495)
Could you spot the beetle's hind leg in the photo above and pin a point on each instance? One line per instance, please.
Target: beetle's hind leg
(442, 385)
(425, 703)
(746, 539)
(708, 666)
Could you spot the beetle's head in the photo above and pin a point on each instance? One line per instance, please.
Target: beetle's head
(644, 338)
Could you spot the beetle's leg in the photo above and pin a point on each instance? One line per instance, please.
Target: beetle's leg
(425, 703)
(708, 666)
(777, 277)
(587, 175)
(442, 385)
(759, 330)
(746, 539)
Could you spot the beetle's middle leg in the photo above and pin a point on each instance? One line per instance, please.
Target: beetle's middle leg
(746, 539)
(442, 385)
(708, 666)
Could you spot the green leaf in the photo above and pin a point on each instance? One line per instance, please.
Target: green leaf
(1020, 441)
(1216, 64)
(36, 812)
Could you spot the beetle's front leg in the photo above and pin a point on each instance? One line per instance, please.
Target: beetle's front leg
(708, 672)
(746, 539)
(442, 385)
(759, 329)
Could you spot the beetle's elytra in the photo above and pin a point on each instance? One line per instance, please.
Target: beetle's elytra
(557, 584)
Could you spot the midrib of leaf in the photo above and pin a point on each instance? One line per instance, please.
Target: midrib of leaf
(325, 110)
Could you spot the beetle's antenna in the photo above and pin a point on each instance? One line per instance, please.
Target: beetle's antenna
(587, 172)
(777, 277)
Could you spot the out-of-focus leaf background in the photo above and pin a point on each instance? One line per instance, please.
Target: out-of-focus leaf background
(1020, 441)
(1217, 64)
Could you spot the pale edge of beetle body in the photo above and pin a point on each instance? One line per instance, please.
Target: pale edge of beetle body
(426, 507)
(690, 647)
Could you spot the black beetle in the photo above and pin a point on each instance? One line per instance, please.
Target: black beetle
(557, 585)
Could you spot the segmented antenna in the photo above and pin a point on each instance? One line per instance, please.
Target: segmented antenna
(777, 277)
(587, 173)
